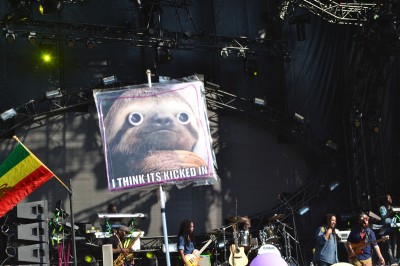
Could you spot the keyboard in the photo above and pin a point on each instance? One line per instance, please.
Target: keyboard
(120, 215)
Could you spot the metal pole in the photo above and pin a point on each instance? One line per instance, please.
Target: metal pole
(161, 198)
(72, 224)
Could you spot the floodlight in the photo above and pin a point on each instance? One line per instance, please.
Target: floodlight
(70, 42)
(53, 94)
(261, 102)
(109, 80)
(10, 36)
(163, 55)
(329, 143)
(332, 186)
(32, 38)
(241, 54)
(90, 44)
(224, 53)
(298, 117)
(6, 115)
(303, 210)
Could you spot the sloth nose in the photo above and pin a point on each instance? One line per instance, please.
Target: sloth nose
(162, 121)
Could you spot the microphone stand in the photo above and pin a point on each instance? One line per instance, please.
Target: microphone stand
(289, 257)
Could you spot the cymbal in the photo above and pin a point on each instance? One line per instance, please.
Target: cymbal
(276, 217)
(237, 219)
(214, 232)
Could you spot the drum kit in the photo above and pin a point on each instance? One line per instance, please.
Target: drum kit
(271, 239)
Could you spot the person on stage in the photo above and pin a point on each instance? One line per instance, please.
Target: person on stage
(118, 249)
(361, 242)
(326, 252)
(389, 248)
(185, 240)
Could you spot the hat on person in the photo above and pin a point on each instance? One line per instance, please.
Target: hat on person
(124, 228)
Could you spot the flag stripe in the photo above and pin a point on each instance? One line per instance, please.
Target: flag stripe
(23, 188)
(24, 168)
(17, 155)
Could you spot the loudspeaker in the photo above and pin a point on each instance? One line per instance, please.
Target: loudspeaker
(35, 210)
(37, 253)
(38, 231)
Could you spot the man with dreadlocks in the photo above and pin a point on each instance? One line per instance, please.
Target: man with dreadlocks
(185, 240)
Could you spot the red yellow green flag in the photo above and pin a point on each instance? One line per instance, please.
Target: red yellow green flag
(20, 174)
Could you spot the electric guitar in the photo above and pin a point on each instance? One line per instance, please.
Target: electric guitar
(194, 258)
(237, 256)
(358, 247)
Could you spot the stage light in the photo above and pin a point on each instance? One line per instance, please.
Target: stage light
(224, 53)
(47, 53)
(90, 44)
(70, 42)
(32, 38)
(109, 80)
(298, 117)
(163, 55)
(303, 210)
(251, 68)
(6, 115)
(53, 94)
(260, 102)
(49, 7)
(332, 186)
(241, 54)
(10, 36)
(329, 143)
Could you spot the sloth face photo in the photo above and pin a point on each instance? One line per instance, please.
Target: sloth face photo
(152, 131)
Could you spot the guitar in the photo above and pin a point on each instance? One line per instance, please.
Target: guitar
(237, 256)
(358, 247)
(194, 258)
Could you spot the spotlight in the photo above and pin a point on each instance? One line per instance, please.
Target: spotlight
(303, 210)
(52, 94)
(49, 7)
(10, 36)
(90, 44)
(241, 54)
(224, 53)
(298, 117)
(329, 143)
(32, 38)
(251, 68)
(163, 55)
(332, 186)
(6, 115)
(47, 53)
(70, 42)
(260, 102)
(109, 80)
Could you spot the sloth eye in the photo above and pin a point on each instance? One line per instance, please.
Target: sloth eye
(183, 118)
(135, 119)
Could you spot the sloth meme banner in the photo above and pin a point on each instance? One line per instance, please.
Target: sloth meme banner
(156, 136)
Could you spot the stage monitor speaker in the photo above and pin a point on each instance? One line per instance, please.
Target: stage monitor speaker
(107, 255)
(205, 260)
(37, 253)
(38, 231)
(35, 210)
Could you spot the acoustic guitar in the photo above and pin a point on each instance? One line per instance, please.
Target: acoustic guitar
(358, 247)
(237, 256)
(194, 258)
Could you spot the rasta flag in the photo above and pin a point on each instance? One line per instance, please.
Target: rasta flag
(21, 173)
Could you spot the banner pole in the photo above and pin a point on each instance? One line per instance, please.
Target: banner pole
(72, 223)
(161, 199)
